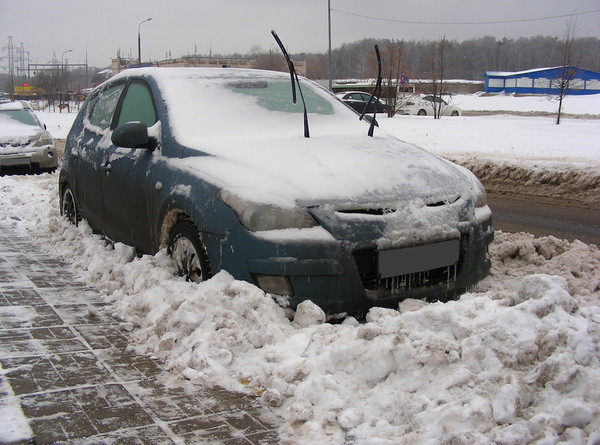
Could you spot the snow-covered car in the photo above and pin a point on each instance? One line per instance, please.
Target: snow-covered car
(358, 100)
(423, 106)
(24, 142)
(214, 165)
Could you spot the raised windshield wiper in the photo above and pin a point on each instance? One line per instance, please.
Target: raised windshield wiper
(295, 81)
(375, 95)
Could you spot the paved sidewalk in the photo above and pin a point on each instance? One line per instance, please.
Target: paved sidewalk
(67, 364)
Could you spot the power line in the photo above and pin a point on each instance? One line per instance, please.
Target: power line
(498, 22)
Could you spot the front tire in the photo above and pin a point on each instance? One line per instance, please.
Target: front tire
(421, 112)
(188, 251)
(68, 206)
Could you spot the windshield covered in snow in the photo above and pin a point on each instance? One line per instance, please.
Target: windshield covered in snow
(276, 96)
(17, 116)
(220, 104)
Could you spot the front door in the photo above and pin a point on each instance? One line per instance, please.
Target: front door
(124, 171)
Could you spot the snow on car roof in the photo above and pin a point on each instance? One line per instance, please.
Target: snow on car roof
(14, 105)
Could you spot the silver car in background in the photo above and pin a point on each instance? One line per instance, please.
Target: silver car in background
(25, 145)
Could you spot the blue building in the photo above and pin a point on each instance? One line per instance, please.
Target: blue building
(542, 81)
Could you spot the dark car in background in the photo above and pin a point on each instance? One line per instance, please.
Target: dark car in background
(25, 145)
(358, 100)
(213, 165)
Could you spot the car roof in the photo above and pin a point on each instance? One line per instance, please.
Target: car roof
(14, 105)
(166, 73)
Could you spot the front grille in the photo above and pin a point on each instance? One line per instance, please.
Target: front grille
(366, 262)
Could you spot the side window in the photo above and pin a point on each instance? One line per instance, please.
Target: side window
(102, 110)
(137, 105)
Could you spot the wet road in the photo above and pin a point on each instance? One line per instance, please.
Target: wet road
(544, 217)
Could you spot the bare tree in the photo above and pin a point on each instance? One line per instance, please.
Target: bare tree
(565, 79)
(271, 60)
(437, 64)
(392, 71)
(313, 67)
(50, 82)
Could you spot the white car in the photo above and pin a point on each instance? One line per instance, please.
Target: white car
(24, 142)
(423, 106)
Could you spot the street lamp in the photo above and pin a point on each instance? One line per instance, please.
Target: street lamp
(329, 53)
(62, 64)
(140, 42)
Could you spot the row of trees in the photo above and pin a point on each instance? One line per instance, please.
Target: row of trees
(469, 59)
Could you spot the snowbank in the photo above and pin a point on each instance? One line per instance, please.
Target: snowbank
(511, 103)
(514, 362)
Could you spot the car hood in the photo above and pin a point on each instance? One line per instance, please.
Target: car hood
(339, 170)
(16, 133)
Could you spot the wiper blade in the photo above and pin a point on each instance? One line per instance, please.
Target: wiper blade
(376, 93)
(295, 81)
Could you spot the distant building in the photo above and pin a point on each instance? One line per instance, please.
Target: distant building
(542, 81)
(119, 64)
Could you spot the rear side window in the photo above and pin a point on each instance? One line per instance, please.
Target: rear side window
(103, 107)
(138, 105)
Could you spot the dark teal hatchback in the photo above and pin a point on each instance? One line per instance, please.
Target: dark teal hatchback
(213, 165)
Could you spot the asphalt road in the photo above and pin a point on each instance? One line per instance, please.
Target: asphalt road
(543, 217)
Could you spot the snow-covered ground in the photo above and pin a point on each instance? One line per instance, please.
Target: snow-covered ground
(515, 361)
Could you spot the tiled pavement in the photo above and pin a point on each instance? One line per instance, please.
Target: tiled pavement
(67, 364)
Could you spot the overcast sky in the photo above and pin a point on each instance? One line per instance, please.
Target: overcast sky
(100, 28)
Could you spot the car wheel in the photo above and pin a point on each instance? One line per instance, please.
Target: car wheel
(68, 206)
(422, 112)
(188, 251)
(454, 113)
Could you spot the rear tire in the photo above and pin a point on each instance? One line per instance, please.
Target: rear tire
(421, 113)
(188, 251)
(68, 206)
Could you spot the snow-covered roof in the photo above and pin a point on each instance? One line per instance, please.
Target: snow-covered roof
(519, 73)
(14, 105)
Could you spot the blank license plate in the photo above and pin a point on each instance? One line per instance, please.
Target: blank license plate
(17, 161)
(397, 262)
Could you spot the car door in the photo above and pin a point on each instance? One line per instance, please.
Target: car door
(125, 169)
(90, 153)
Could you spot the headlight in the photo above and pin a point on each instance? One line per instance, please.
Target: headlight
(478, 192)
(43, 139)
(258, 217)
(479, 195)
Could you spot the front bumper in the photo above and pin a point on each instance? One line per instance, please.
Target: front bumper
(42, 158)
(340, 273)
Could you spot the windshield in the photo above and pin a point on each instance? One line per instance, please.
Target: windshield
(225, 105)
(276, 96)
(21, 116)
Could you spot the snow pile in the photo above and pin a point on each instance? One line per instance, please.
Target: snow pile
(514, 363)
(573, 105)
(16, 428)
(510, 154)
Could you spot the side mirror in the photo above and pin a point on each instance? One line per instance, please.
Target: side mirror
(132, 135)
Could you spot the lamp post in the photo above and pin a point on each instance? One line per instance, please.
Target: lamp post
(140, 42)
(62, 76)
(329, 53)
